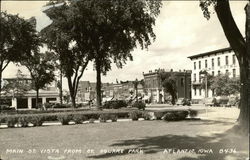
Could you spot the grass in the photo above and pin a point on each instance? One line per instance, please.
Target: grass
(150, 136)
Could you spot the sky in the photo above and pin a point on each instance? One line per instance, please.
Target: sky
(181, 31)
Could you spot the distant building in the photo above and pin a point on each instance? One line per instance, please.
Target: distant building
(215, 62)
(153, 85)
(122, 90)
(27, 100)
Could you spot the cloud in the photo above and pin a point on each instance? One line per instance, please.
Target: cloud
(181, 30)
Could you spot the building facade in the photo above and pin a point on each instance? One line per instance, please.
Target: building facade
(215, 62)
(155, 91)
(27, 99)
(121, 91)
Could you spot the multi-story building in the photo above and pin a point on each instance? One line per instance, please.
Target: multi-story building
(122, 90)
(154, 89)
(215, 62)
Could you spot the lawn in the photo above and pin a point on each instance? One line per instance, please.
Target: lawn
(156, 139)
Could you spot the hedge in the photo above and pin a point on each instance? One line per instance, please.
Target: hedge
(24, 120)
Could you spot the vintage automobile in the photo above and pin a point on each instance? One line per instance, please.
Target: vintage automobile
(183, 102)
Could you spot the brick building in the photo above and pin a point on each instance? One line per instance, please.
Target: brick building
(154, 89)
(122, 90)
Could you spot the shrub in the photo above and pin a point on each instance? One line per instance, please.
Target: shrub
(192, 113)
(159, 115)
(64, 118)
(11, 121)
(58, 105)
(139, 105)
(104, 117)
(23, 121)
(91, 120)
(175, 116)
(36, 120)
(134, 115)
(79, 118)
(146, 116)
(47, 105)
(181, 115)
(2, 120)
(170, 116)
(113, 118)
(116, 104)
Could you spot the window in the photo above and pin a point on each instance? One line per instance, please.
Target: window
(205, 63)
(194, 65)
(227, 72)
(200, 92)
(199, 78)
(218, 73)
(195, 91)
(212, 92)
(234, 73)
(226, 60)
(218, 61)
(194, 77)
(234, 59)
(182, 82)
(212, 73)
(199, 64)
(212, 63)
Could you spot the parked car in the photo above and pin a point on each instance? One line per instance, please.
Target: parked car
(179, 101)
(183, 101)
(233, 101)
(211, 102)
(6, 107)
(222, 100)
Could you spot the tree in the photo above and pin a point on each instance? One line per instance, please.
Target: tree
(240, 46)
(16, 87)
(113, 29)
(169, 85)
(206, 81)
(17, 38)
(70, 48)
(223, 85)
(41, 70)
(136, 88)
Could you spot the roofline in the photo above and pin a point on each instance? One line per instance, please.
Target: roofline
(210, 53)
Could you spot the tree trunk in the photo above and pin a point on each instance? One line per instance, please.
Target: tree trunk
(98, 84)
(1, 74)
(71, 92)
(61, 98)
(37, 97)
(241, 49)
(245, 100)
(245, 78)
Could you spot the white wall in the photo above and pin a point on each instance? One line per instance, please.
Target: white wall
(222, 68)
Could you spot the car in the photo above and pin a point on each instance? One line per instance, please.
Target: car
(179, 101)
(233, 101)
(186, 102)
(209, 102)
(183, 101)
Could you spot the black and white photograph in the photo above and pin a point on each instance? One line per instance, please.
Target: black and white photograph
(124, 79)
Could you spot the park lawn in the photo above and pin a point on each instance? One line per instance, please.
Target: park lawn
(152, 137)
